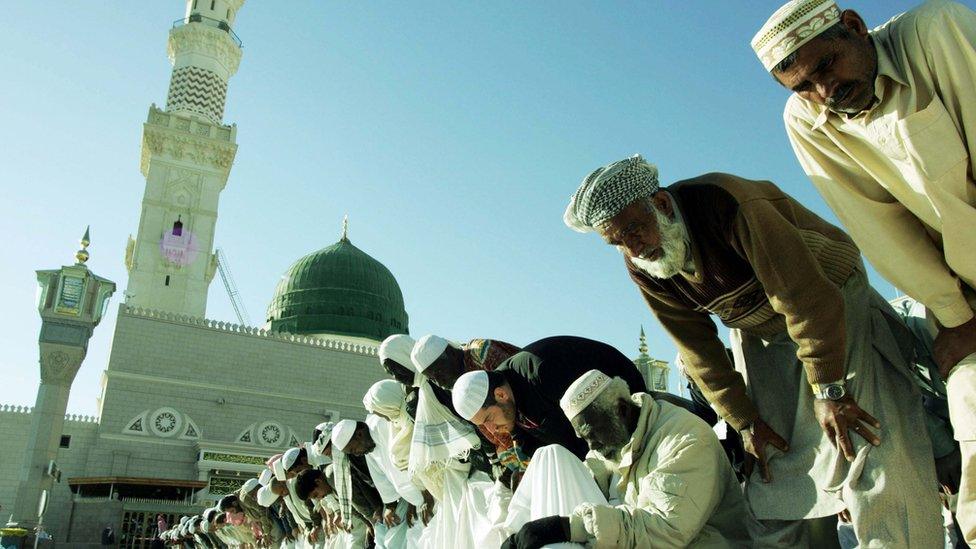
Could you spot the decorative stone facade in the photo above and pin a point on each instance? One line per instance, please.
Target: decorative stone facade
(191, 399)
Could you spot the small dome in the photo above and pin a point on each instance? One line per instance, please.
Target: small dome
(339, 290)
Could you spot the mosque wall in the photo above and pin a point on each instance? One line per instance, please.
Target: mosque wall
(14, 431)
(176, 386)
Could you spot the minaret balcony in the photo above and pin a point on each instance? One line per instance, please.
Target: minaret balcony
(210, 22)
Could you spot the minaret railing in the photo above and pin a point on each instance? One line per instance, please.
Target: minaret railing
(210, 22)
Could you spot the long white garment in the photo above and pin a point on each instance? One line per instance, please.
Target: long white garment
(462, 517)
(379, 459)
(555, 483)
(392, 484)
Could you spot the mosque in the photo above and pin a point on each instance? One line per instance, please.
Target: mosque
(192, 407)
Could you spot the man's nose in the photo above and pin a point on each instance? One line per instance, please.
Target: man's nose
(634, 247)
(826, 89)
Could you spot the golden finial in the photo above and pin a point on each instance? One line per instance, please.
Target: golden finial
(345, 227)
(82, 254)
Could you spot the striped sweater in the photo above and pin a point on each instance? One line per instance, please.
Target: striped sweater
(763, 264)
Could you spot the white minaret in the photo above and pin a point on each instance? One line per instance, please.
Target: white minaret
(187, 153)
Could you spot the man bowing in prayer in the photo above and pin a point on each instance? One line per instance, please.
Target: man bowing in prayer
(675, 485)
(883, 122)
(816, 348)
(521, 396)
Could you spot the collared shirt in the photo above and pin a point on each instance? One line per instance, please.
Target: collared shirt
(900, 174)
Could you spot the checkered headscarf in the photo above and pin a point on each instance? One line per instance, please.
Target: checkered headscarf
(608, 190)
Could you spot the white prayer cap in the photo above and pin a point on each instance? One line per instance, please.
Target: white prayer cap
(250, 485)
(609, 189)
(342, 434)
(290, 457)
(582, 392)
(469, 393)
(208, 514)
(184, 520)
(397, 348)
(428, 349)
(793, 25)
(265, 478)
(266, 497)
(278, 468)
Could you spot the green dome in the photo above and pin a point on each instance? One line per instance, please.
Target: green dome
(338, 290)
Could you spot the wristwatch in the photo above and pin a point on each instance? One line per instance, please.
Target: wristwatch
(829, 391)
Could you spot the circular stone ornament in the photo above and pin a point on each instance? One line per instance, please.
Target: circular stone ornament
(165, 422)
(271, 433)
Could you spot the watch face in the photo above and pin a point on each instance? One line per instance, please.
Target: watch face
(834, 392)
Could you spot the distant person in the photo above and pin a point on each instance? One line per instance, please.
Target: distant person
(108, 535)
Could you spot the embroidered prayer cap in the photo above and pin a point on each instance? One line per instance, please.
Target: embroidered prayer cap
(397, 348)
(428, 349)
(582, 392)
(265, 478)
(609, 189)
(793, 25)
(469, 393)
(250, 485)
(266, 497)
(342, 434)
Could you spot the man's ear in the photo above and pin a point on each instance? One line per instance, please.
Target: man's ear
(853, 21)
(662, 201)
(501, 395)
(622, 407)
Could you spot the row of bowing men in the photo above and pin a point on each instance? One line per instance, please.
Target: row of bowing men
(837, 422)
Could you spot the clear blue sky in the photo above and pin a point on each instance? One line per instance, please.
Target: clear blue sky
(452, 133)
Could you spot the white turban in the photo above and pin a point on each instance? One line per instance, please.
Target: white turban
(397, 348)
(342, 434)
(386, 398)
(791, 27)
(428, 349)
(250, 485)
(609, 189)
(266, 497)
(469, 393)
(582, 392)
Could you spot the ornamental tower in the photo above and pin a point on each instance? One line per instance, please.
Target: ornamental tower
(655, 372)
(71, 301)
(187, 154)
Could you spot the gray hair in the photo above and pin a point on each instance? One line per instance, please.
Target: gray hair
(606, 401)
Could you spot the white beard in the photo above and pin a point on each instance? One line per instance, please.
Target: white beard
(675, 244)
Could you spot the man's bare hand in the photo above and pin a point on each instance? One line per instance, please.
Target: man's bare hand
(754, 440)
(954, 344)
(838, 417)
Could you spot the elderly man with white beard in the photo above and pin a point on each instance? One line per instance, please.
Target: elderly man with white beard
(656, 476)
(821, 389)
